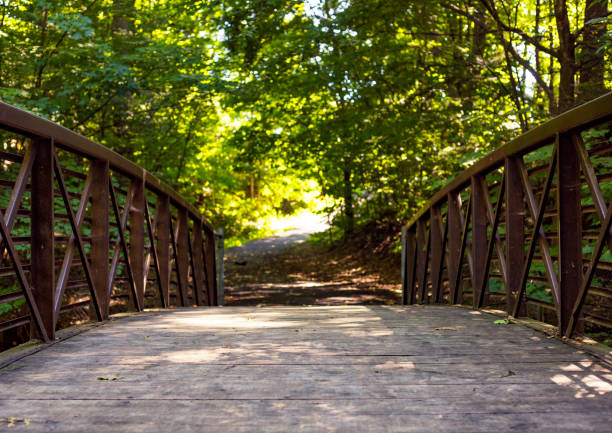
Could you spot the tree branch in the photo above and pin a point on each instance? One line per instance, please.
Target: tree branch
(508, 46)
(54, 50)
(493, 12)
(490, 6)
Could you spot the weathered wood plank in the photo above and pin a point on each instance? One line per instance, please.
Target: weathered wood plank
(304, 416)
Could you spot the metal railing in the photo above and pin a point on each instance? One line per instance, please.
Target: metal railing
(86, 232)
(527, 228)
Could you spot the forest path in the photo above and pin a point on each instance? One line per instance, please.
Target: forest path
(293, 230)
(287, 270)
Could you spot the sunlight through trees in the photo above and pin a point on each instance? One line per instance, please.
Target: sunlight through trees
(248, 107)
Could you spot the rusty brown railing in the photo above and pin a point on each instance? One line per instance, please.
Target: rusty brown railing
(527, 228)
(84, 229)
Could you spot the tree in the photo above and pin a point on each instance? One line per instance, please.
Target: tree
(508, 21)
(234, 103)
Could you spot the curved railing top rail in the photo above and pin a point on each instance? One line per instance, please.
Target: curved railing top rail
(592, 112)
(20, 121)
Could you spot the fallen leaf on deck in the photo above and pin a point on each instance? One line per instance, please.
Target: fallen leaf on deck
(12, 421)
(445, 328)
(110, 377)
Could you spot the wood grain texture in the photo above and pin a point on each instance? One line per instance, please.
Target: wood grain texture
(311, 369)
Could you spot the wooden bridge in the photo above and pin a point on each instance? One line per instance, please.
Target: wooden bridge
(495, 239)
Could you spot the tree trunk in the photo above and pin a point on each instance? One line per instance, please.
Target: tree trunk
(479, 36)
(538, 65)
(516, 94)
(43, 43)
(122, 28)
(2, 49)
(567, 58)
(552, 103)
(591, 62)
(348, 201)
(473, 77)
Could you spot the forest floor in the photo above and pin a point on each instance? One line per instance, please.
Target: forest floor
(289, 270)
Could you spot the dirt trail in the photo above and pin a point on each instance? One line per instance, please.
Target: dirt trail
(287, 270)
(297, 230)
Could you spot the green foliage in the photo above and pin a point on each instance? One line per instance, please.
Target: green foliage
(496, 286)
(603, 337)
(242, 104)
(147, 79)
(6, 307)
(328, 237)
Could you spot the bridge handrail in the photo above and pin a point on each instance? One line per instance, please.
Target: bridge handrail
(178, 238)
(28, 124)
(445, 230)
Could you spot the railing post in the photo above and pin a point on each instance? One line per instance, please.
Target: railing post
(411, 266)
(423, 244)
(198, 262)
(220, 245)
(42, 232)
(137, 246)
(209, 263)
(515, 232)
(182, 265)
(479, 240)
(404, 265)
(100, 242)
(162, 211)
(437, 255)
(570, 228)
(454, 240)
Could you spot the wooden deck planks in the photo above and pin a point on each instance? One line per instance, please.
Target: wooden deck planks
(311, 369)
